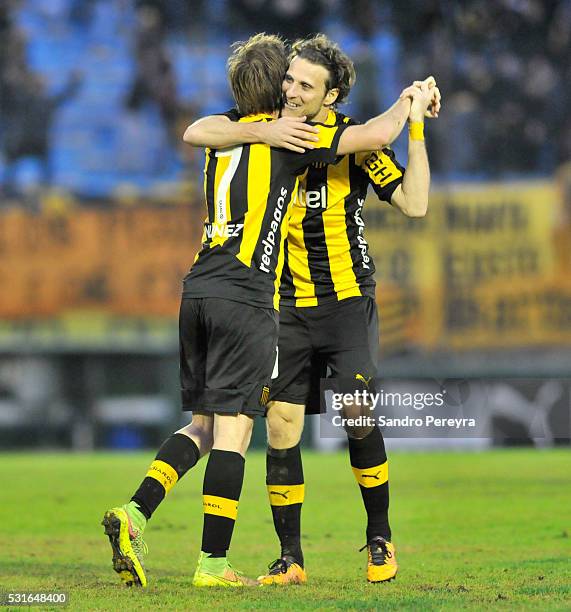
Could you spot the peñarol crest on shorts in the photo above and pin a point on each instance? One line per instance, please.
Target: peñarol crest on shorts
(265, 396)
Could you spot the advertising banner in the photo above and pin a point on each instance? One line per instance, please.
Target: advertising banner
(485, 269)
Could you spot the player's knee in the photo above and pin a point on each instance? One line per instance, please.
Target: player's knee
(285, 437)
(284, 424)
(233, 432)
(199, 430)
(206, 441)
(358, 421)
(246, 428)
(244, 434)
(358, 433)
(246, 439)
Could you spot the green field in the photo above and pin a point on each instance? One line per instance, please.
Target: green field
(472, 530)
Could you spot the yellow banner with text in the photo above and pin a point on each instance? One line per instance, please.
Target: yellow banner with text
(488, 267)
(483, 269)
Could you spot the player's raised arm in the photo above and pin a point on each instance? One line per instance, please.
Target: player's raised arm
(218, 132)
(411, 197)
(376, 133)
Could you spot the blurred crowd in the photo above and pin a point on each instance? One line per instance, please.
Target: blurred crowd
(26, 106)
(503, 68)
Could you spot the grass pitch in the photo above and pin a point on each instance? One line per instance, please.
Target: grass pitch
(472, 530)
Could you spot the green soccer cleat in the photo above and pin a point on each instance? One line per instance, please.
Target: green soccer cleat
(125, 526)
(219, 573)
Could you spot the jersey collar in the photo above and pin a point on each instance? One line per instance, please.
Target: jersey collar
(331, 118)
(256, 117)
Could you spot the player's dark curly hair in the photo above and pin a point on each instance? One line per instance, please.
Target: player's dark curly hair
(256, 70)
(318, 49)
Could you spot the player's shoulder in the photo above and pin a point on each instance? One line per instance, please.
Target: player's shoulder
(388, 151)
(334, 119)
(341, 119)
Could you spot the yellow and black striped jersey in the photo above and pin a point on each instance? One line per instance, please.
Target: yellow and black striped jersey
(326, 254)
(248, 191)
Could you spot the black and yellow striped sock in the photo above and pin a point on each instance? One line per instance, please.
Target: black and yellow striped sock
(286, 490)
(220, 495)
(175, 457)
(371, 469)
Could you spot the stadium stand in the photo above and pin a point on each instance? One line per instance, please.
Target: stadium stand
(99, 141)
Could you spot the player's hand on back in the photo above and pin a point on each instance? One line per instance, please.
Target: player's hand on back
(290, 133)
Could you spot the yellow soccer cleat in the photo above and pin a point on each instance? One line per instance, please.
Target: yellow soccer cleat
(382, 562)
(126, 539)
(218, 572)
(284, 571)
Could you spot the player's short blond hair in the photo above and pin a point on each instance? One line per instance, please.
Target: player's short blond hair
(256, 70)
(320, 50)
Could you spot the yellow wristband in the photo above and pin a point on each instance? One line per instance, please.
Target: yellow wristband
(416, 130)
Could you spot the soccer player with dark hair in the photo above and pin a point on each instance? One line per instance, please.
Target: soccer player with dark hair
(228, 319)
(328, 314)
(328, 310)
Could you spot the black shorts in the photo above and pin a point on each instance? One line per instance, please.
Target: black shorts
(341, 336)
(227, 355)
